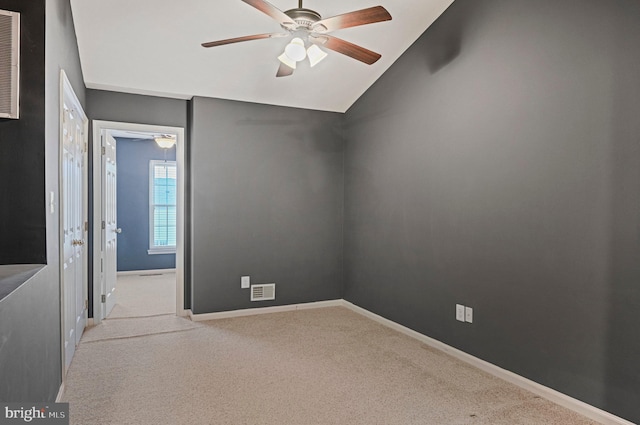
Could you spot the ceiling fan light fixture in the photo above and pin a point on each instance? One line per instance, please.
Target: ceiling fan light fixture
(165, 142)
(287, 61)
(295, 50)
(307, 27)
(316, 55)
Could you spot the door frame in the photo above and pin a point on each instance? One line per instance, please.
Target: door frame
(67, 93)
(98, 127)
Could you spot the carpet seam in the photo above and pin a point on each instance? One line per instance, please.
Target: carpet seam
(140, 317)
(138, 336)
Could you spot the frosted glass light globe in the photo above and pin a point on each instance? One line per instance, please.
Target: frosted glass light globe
(295, 50)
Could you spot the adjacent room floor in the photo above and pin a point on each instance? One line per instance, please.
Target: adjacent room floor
(145, 294)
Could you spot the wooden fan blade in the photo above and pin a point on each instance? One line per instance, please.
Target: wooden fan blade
(245, 38)
(352, 19)
(349, 49)
(269, 9)
(284, 71)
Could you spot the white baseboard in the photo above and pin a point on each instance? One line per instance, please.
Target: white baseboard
(60, 393)
(139, 272)
(552, 395)
(264, 310)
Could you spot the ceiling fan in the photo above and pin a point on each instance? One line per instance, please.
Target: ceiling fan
(309, 28)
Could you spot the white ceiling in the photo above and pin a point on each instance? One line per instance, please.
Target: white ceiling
(153, 47)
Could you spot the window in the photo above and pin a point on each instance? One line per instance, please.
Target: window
(162, 207)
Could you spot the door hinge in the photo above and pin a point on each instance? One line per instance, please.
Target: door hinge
(104, 150)
(86, 226)
(86, 304)
(103, 298)
(103, 224)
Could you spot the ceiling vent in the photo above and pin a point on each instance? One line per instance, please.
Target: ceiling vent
(9, 63)
(263, 292)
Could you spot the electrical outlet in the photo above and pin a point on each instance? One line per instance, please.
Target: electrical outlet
(468, 314)
(245, 282)
(460, 312)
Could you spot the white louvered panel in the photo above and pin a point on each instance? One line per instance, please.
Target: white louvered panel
(9, 63)
(263, 292)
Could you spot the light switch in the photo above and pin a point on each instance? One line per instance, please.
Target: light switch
(468, 314)
(245, 282)
(460, 312)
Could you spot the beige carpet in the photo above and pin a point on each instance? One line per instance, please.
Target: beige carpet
(324, 366)
(147, 294)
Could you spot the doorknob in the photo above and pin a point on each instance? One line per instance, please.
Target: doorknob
(118, 230)
(77, 242)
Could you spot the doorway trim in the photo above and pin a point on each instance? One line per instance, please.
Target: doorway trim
(98, 127)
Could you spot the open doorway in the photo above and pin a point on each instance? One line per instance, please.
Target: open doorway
(140, 256)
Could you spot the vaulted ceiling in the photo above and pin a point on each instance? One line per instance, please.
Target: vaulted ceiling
(154, 47)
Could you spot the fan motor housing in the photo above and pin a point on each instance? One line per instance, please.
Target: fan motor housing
(303, 17)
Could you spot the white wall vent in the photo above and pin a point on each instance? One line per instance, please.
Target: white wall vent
(9, 63)
(263, 292)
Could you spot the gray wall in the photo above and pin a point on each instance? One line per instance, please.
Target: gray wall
(22, 210)
(30, 334)
(133, 204)
(30, 354)
(267, 201)
(497, 165)
(138, 109)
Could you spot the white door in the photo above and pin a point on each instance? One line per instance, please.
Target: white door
(73, 213)
(109, 223)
